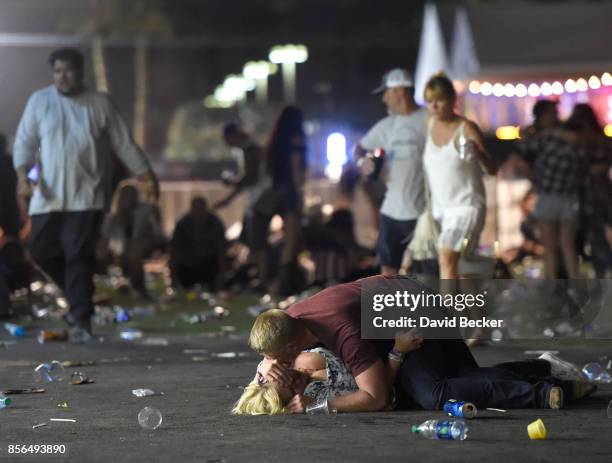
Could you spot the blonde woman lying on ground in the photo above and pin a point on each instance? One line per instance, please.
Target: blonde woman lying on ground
(317, 375)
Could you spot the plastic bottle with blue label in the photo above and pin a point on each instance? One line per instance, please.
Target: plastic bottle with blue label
(4, 401)
(442, 429)
(15, 330)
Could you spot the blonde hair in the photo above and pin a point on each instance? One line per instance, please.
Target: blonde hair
(259, 400)
(439, 87)
(272, 331)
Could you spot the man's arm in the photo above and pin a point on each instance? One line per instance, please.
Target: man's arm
(373, 393)
(25, 148)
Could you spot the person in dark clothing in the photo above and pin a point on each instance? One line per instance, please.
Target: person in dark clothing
(198, 248)
(287, 165)
(260, 201)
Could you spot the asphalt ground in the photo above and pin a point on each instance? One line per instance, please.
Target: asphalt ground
(199, 390)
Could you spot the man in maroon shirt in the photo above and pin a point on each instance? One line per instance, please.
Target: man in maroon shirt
(439, 370)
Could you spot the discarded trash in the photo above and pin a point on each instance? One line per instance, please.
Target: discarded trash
(324, 407)
(49, 372)
(537, 430)
(62, 405)
(80, 378)
(21, 391)
(15, 330)
(595, 373)
(540, 352)
(145, 392)
(153, 342)
(143, 311)
(442, 429)
(130, 334)
(149, 418)
(78, 363)
(610, 409)
(39, 425)
(121, 315)
(460, 409)
(52, 335)
(500, 410)
(63, 420)
(4, 401)
(227, 329)
(195, 351)
(229, 355)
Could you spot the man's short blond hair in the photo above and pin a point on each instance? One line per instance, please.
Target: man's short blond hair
(272, 331)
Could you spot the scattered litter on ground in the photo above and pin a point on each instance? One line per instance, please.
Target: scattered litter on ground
(145, 392)
(7, 344)
(39, 425)
(63, 420)
(77, 378)
(200, 359)
(229, 355)
(45, 336)
(78, 363)
(130, 334)
(22, 391)
(162, 342)
(195, 351)
(15, 330)
(4, 401)
(595, 373)
(149, 418)
(540, 352)
(442, 429)
(62, 405)
(49, 372)
(500, 410)
(536, 430)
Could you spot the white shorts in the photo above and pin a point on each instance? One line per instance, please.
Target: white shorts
(460, 228)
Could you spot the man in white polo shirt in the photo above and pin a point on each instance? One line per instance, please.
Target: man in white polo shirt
(402, 136)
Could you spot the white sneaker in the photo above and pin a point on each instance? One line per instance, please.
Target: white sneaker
(562, 369)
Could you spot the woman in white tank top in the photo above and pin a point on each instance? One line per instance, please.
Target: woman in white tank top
(454, 154)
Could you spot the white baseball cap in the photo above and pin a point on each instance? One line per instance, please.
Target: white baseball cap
(395, 78)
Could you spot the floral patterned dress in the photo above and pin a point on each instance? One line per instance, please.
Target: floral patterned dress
(339, 380)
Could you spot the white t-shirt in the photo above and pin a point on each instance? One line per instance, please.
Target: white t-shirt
(403, 139)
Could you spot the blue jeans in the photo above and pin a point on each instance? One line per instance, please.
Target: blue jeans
(445, 369)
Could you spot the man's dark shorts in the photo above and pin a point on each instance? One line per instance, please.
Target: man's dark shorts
(393, 238)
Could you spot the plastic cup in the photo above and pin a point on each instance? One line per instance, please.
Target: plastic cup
(150, 418)
(537, 430)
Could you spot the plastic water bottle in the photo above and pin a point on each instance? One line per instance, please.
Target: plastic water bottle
(595, 373)
(15, 330)
(442, 429)
(4, 401)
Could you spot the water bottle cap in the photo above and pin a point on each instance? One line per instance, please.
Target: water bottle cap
(415, 428)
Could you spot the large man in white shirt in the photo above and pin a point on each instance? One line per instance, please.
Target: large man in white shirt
(402, 136)
(70, 132)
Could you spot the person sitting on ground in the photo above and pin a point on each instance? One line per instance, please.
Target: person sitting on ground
(130, 234)
(441, 369)
(198, 248)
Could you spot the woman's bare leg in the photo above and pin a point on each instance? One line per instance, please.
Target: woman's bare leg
(567, 241)
(549, 232)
